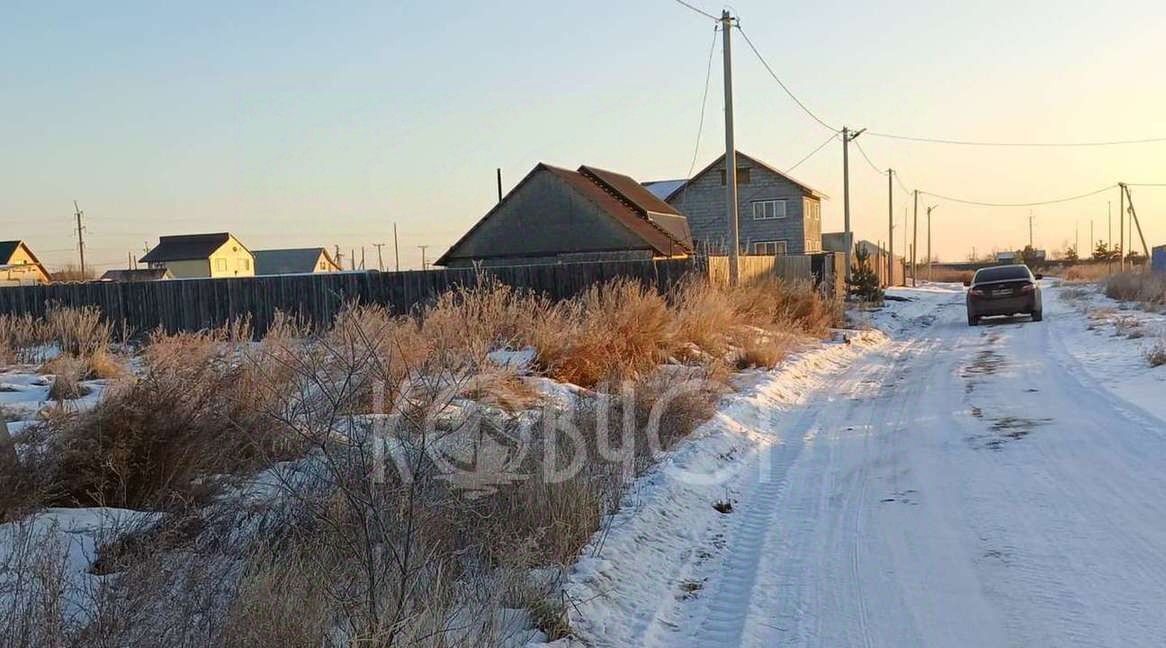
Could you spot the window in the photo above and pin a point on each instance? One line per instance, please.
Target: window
(768, 209)
(221, 265)
(742, 176)
(769, 248)
(243, 264)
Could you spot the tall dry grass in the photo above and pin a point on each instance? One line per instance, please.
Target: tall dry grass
(406, 557)
(1139, 286)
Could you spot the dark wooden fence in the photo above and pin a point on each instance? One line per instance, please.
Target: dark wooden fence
(196, 304)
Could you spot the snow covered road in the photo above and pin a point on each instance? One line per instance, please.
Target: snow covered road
(953, 486)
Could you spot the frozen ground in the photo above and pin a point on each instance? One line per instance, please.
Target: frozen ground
(952, 486)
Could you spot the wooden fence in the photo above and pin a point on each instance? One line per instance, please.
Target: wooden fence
(196, 304)
(788, 267)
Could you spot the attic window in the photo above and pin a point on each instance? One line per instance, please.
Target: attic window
(742, 176)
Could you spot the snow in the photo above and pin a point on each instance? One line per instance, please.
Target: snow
(949, 486)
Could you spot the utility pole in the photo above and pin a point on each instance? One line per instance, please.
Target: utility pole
(930, 260)
(80, 236)
(352, 259)
(380, 256)
(915, 244)
(362, 266)
(1030, 230)
(396, 249)
(1109, 245)
(731, 156)
(424, 265)
(1121, 226)
(890, 227)
(1092, 241)
(1077, 238)
(339, 258)
(1134, 220)
(499, 184)
(847, 137)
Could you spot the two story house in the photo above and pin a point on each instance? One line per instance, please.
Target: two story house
(776, 214)
(194, 256)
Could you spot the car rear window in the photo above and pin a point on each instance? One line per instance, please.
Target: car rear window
(1003, 273)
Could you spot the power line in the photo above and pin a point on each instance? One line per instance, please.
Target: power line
(1145, 184)
(1027, 204)
(697, 10)
(813, 152)
(708, 75)
(868, 160)
(780, 83)
(959, 142)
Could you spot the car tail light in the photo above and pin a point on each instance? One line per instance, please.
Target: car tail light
(1027, 288)
(976, 292)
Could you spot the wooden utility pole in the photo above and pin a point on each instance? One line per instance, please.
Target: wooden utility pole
(80, 236)
(915, 244)
(930, 261)
(396, 250)
(1135, 222)
(890, 227)
(362, 266)
(731, 156)
(847, 137)
(1030, 243)
(499, 184)
(380, 256)
(424, 264)
(1121, 226)
(339, 258)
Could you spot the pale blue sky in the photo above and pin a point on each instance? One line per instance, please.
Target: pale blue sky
(298, 126)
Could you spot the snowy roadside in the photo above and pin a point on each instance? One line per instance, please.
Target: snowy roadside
(1104, 342)
(649, 553)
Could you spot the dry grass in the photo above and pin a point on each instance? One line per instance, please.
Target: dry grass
(1145, 287)
(1086, 272)
(67, 372)
(1156, 353)
(763, 350)
(947, 275)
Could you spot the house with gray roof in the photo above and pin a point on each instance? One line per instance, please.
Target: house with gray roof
(776, 214)
(190, 256)
(556, 215)
(294, 261)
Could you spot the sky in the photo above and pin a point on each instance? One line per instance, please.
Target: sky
(315, 125)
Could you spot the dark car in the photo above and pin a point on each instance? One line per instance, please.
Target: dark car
(1004, 290)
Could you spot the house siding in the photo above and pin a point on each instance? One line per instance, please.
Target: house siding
(545, 220)
(234, 256)
(703, 202)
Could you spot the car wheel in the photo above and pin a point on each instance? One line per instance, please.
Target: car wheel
(1038, 315)
(973, 320)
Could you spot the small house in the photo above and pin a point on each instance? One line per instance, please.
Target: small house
(194, 256)
(294, 261)
(775, 213)
(556, 215)
(19, 266)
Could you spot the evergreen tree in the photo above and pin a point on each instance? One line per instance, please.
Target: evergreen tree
(864, 281)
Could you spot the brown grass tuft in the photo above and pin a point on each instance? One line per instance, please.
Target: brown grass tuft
(1156, 354)
(1145, 287)
(1086, 272)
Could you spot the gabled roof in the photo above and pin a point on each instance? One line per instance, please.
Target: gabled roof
(187, 247)
(8, 248)
(620, 197)
(141, 274)
(662, 189)
(294, 261)
(806, 189)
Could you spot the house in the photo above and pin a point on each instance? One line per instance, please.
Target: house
(1007, 257)
(836, 242)
(134, 276)
(19, 266)
(556, 215)
(296, 261)
(193, 256)
(775, 213)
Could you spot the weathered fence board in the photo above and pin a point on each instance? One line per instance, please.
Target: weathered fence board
(195, 304)
(788, 267)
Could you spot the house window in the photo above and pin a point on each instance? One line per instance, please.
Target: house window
(742, 176)
(221, 265)
(768, 209)
(769, 248)
(243, 264)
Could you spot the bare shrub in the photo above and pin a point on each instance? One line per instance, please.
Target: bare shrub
(704, 316)
(795, 306)
(79, 331)
(67, 372)
(1156, 354)
(941, 274)
(764, 349)
(1144, 287)
(193, 413)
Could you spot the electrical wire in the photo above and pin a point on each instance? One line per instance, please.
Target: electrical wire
(708, 75)
(867, 158)
(958, 142)
(1145, 184)
(781, 83)
(697, 10)
(1027, 204)
(813, 152)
